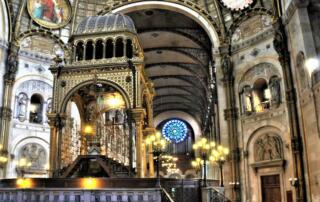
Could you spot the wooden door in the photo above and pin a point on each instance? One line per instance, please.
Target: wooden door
(270, 186)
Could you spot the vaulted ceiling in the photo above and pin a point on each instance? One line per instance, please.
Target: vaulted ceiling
(177, 57)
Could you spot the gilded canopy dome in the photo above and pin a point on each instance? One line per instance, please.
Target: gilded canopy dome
(106, 23)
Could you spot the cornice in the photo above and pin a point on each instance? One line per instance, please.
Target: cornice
(293, 6)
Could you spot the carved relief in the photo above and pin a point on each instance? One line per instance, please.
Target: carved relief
(251, 27)
(34, 154)
(267, 148)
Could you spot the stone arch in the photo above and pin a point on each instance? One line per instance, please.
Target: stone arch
(43, 33)
(263, 129)
(244, 16)
(268, 147)
(5, 28)
(187, 8)
(180, 115)
(251, 74)
(68, 95)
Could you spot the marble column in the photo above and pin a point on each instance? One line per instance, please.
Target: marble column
(138, 115)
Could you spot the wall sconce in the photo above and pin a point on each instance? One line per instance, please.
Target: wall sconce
(294, 181)
(234, 185)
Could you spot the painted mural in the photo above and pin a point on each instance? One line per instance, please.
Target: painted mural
(51, 14)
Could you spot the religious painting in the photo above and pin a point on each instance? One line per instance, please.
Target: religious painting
(51, 14)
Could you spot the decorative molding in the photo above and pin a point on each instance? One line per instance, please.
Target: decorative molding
(263, 36)
(293, 6)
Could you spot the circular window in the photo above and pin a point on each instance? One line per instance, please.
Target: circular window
(175, 131)
(237, 5)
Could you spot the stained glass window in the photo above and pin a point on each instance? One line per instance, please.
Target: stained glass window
(175, 130)
(237, 4)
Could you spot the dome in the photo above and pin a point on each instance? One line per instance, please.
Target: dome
(106, 23)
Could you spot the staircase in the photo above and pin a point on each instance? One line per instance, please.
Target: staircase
(94, 166)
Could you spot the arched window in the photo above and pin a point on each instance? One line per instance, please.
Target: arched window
(109, 48)
(36, 105)
(89, 50)
(99, 50)
(261, 95)
(79, 51)
(119, 48)
(129, 49)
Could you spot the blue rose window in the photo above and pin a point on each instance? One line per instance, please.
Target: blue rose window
(175, 131)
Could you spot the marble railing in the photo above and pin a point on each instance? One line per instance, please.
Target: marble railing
(79, 195)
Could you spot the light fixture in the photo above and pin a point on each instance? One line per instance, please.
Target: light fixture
(24, 183)
(89, 183)
(293, 181)
(114, 101)
(88, 130)
(312, 64)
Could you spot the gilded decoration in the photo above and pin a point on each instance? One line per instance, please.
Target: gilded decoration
(75, 78)
(52, 14)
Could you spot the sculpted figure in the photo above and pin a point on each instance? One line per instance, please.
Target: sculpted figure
(274, 86)
(22, 106)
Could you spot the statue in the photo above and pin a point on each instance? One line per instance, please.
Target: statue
(12, 65)
(247, 100)
(49, 105)
(119, 117)
(91, 111)
(226, 66)
(22, 106)
(274, 86)
(302, 73)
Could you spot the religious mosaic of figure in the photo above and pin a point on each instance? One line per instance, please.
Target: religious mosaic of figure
(50, 13)
(22, 106)
(34, 155)
(275, 90)
(268, 147)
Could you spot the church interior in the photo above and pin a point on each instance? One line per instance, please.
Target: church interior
(159, 100)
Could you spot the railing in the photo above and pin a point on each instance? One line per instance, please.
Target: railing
(80, 195)
(165, 196)
(107, 190)
(216, 196)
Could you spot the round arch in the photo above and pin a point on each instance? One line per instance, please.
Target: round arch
(63, 106)
(180, 115)
(43, 33)
(199, 16)
(5, 25)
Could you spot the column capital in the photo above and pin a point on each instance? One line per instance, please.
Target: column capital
(56, 120)
(138, 114)
(149, 131)
(5, 113)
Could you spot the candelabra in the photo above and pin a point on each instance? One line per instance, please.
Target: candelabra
(203, 147)
(4, 157)
(158, 145)
(218, 155)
